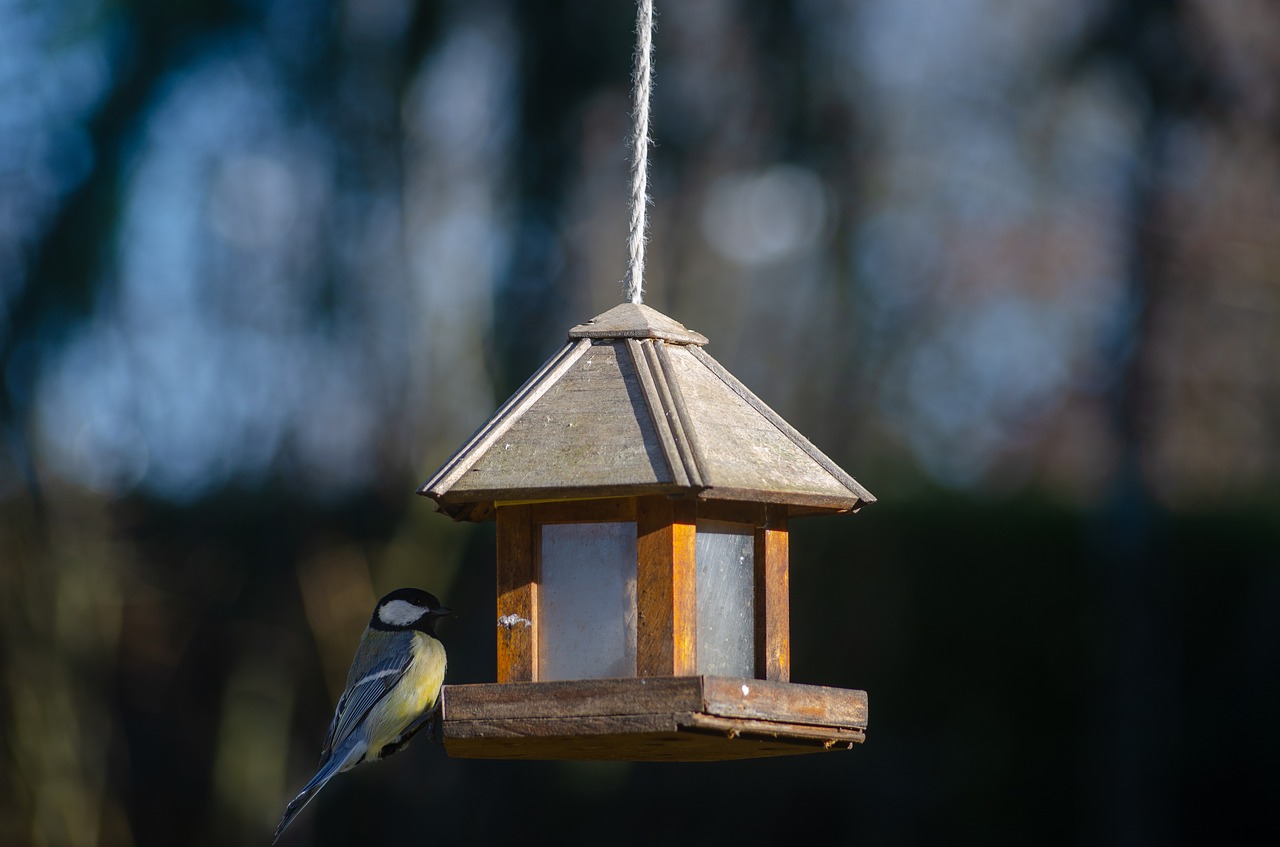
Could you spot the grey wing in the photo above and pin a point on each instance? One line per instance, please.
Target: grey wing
(380, 662)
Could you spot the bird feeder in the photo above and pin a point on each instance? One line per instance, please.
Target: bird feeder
(642, 496)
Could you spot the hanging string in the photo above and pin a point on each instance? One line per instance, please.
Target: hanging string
(640, 152)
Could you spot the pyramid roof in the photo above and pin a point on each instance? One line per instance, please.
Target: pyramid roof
(633, 405)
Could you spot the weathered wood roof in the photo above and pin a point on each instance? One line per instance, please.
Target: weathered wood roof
(632, 405)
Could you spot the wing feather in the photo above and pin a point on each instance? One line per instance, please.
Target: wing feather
(381, 660)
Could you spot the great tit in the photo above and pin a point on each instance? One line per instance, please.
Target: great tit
(393, 689)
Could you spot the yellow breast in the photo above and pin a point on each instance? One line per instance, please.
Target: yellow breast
(415, 694)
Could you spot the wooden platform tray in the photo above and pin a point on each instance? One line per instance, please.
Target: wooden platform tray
(671, 719)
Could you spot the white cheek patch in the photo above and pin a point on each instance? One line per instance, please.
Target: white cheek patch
(400, 613)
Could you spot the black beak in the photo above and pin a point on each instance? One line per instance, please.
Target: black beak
(441, 611)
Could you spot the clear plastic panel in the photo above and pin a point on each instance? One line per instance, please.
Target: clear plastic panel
(726, 598)
(587, 601)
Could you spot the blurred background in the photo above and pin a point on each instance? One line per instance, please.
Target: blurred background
(264, 264)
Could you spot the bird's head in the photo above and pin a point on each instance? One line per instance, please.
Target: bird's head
(408, 608)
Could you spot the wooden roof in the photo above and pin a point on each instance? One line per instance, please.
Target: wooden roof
(632, 405)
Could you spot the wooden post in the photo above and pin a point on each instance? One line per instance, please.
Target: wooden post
(517, 594)
(773, 601)
(666, 589)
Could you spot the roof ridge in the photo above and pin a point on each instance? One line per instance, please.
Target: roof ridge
(666, 409)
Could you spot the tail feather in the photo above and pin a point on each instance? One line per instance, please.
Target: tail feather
(340, 761)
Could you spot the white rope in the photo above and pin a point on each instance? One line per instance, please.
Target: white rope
(640, 152)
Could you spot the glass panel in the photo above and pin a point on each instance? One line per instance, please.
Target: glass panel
(587, 601)
(726, 598)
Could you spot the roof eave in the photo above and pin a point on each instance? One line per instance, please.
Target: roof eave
(481, 505)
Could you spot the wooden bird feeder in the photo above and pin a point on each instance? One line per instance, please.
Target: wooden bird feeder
(642, 495)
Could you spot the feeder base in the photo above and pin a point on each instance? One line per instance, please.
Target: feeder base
(667, 719)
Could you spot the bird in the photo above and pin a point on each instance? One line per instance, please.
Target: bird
(393, 690)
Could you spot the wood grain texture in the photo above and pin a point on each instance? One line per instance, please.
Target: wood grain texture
(667, 414)
(517, 585)
(807, 504)
(677, 412)
(528, 394)
(574, 698)
(605, 509)
(861, 494)
(729, 697)
(627, 410)
(635, 320)
(655, 404)
(694, 738)
(692, 718)
(787, 702)
(773, 597)
(589, 429)
(666, 599)
(684, 579)
(732, 511)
